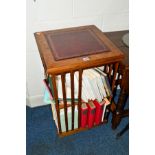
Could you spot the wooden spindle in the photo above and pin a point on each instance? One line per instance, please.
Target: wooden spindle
(64, 100)
(56, 101)
(110, 71)
(114, 75)
(112, 87)
(79, 97)
(123, 76)
(72, 97)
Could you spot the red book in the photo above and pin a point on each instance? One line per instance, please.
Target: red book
(91, 113)
(84, 114)
(99, 111)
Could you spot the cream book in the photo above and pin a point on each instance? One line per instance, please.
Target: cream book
(104, 108)
(105, 82)
(100, 83)
(69, 115)
(87, 82)
(92, 84)
(96, 85)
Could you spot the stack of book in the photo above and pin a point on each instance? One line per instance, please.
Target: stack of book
(95, 91)
(92, 113)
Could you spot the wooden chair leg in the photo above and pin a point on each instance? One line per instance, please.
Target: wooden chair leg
(116, 117)
(122, 132)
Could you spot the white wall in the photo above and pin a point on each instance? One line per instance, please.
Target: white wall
(108, 15)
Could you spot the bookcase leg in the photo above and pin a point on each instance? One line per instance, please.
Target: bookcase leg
(79, 97)
(56, 101)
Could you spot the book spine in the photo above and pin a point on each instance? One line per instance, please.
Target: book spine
(105, 108)
(87, 82)
(105, 86)
(103, 113)
(102, 87)
(84, 113)
(100, 83)
(48, 89)
(50, 85)
(108, 85)
(91, 117)
(84, 95)
(97, 89)
(96, 84)
(99, 111)
(90, 77)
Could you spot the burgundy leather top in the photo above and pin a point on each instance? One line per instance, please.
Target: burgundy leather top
(72, 44)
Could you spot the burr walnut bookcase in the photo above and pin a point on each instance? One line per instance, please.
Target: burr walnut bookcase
(76, 49)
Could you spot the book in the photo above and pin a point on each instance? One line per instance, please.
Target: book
(91, 113)
(84, 115)
(59, 88)
(50, 85)
(100, 84)
(106, 103)
(108, 86)
(48, 97)
(99, 111)
(69, 115)
(96, 85)
(105, 81)
(93, 84)
(76, 82)
(86, 82)
(48, 89)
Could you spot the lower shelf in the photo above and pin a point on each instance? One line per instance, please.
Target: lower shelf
(63, 134)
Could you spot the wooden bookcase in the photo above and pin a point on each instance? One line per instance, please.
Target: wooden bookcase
(94, 57)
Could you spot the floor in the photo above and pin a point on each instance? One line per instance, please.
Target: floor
(43, 140)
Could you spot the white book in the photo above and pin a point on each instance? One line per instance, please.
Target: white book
(103, 76)
(90, 77)
(69, 115)
(87, 82)
(67, 87)
(96, 85)
(85, 90)
(76, 79)
(100, 84)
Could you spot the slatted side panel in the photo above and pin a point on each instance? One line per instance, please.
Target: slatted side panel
(72, 105)
(110, 69)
